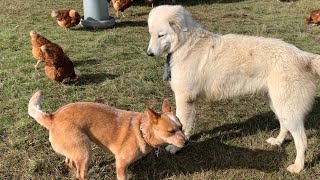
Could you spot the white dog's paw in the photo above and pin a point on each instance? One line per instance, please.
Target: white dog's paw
(274, 142)
(293, 168)
(172, 149)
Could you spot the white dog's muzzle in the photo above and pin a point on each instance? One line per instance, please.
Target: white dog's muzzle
(149, 52)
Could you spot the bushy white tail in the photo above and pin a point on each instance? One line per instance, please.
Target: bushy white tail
(34, 111)
(315, 64)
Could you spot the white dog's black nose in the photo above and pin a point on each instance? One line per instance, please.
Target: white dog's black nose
(150, 53)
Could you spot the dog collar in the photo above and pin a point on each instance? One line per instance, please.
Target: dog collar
(145, 136)
(167, 68)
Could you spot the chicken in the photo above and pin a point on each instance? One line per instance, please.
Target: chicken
(37, 41)
(66, 18)
(121, 5)
(149, 2)
(314, 17)
(58, 66)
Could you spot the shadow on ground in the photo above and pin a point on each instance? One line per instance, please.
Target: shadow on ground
(213, 154)
(94, 78)
(86, 62)
(123, 24)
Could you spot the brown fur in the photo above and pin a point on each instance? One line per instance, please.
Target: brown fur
(128, 135)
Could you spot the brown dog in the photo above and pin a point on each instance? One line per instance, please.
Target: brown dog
(128, 135)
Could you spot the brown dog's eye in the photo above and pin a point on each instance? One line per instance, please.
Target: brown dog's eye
(173, 131)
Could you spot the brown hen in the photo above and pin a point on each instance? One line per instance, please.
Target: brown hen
(121, 5)
(66, 18)
(37, 41)
(149, 2)
(313, 17)
(58, 66)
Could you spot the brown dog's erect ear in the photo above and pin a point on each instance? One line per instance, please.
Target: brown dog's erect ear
(166, 106)
(153, 115)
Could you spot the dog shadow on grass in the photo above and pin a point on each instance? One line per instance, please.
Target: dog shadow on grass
(213, 154)
(313, 118)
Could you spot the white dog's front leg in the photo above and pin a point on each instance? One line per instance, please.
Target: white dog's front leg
(185, 111)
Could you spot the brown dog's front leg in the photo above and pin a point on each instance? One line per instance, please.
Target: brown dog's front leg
(82, 166)
(121, 166)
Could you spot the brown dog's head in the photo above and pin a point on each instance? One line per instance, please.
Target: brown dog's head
(164, 128)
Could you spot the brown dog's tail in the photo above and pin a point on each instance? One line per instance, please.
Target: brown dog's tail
(34, 111)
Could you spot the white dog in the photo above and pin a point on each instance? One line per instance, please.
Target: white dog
(222, 66)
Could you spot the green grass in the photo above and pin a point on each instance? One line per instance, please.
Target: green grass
(228, 140)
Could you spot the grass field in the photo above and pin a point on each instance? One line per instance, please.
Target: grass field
(228, 140)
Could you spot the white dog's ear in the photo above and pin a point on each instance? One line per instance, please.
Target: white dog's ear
(178, 23)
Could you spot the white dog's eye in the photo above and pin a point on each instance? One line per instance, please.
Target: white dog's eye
(160, 35)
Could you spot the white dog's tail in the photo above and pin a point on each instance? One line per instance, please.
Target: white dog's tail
(315, 65)
(34, 111)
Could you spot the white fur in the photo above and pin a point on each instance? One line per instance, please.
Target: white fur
(34, 106)
(221, 66)
(174, 119)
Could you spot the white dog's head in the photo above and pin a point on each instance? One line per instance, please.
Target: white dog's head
(168, 27)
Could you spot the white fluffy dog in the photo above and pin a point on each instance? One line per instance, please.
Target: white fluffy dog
(221, 66)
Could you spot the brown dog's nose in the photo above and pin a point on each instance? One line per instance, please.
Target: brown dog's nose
(186, 142)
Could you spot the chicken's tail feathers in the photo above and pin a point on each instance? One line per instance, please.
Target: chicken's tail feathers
(34, 111)
(43, 48)
(32, 33)
(73, 13)
(54, 13)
